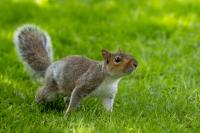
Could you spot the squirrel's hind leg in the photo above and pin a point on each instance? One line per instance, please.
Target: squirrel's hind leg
(48, 93)
(45, 94)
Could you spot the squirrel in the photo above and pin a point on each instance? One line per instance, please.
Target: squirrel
(73, 77)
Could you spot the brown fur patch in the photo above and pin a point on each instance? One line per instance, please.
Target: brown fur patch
(127, 62)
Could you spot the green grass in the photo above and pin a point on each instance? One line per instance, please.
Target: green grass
(163, 95)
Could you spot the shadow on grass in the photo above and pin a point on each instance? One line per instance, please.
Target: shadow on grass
(57, 106)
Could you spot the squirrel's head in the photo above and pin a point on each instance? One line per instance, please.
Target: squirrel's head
(119, 63)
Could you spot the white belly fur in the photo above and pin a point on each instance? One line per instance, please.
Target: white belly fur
(108, 88)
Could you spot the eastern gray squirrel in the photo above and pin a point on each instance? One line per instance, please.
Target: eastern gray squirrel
(73, 77)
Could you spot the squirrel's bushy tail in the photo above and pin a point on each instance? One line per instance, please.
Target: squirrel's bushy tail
(34, 47)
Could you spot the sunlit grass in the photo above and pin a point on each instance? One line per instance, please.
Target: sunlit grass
(38, 2)
(41, 2)
(182, 21)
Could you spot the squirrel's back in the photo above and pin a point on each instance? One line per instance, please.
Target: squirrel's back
(66, 71)
(34, 47)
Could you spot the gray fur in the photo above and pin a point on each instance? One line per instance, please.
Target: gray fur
(34, 48)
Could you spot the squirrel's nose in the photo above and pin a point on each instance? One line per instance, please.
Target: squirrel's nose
(135, 63)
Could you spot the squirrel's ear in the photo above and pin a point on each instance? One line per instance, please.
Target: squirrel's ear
(106, 55)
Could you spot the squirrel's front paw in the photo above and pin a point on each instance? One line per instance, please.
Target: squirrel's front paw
(69, 111)
(66, 115)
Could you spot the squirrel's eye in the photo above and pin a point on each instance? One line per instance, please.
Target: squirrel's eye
(117, 59)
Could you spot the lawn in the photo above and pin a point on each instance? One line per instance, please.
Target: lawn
(162, 95)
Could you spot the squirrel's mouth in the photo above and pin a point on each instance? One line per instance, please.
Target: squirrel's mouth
(130, 70)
